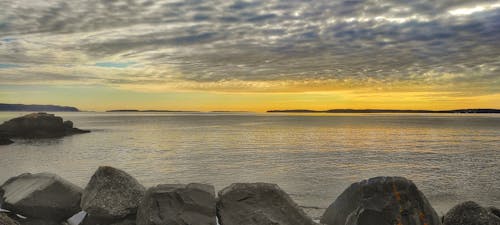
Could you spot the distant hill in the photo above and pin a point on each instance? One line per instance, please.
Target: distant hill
(38, 108)
(385, 111)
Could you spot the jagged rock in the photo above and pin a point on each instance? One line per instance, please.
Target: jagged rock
(471, 213)
(178, 204)
(111, 194)
(258, 204)
(381, 201)
(6, 220)
(42, 196)
(38, 125)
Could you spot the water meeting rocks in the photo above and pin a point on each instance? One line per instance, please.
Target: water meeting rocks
(178, 204)
(471, 213)
(4, 140)
(38, 125)
(111, 194)
(42, 196)
(381, 201)
(258, 204)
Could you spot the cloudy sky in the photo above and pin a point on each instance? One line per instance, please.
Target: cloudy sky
(251, 55)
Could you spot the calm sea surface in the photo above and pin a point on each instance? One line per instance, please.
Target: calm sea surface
(451, 158)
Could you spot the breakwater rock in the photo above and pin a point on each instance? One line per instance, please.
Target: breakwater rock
(113, 197)
(381, 201)
(472, 213)
(38, 125)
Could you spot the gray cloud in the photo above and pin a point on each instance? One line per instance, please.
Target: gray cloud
(208, 41)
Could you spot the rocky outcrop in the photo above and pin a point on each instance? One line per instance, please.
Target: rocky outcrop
(381, 201)
(38, 125)
(178, 204)
(41, 196)
(111, 194)
(471, 213)
(258, 204)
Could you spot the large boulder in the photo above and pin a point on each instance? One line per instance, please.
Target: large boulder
(178, 204)
(471, 213)
(38, 125)
(42, 196)
(381, 201)
(111, 194)
(258, 204)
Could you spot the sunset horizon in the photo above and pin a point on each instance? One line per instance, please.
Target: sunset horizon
(247, 55)
(249, 112)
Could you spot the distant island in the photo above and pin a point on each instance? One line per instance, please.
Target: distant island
(37, 108)
(136, 110)
(385, 111)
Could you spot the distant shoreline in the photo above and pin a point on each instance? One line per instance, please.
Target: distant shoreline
(36, 108)
(136, 110)
(385, 111)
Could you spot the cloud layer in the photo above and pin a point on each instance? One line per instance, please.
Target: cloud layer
(253, 45)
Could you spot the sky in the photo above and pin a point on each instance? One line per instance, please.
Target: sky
(251, 55)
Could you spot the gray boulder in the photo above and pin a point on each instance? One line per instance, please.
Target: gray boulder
(38, 125)
(41, 196)
(178, 204)
(111, 194)
(258, 204)
(471, 213)
(6, 220)
(381, 201)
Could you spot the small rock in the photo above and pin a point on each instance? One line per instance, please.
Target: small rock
(6, 220)
(42, 196)
(258, 204)
(178, 204)
(381, 201)
(68, 124)
(111, 194)
(471, 213)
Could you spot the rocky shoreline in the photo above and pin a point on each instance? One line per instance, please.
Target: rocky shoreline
(113, 197)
